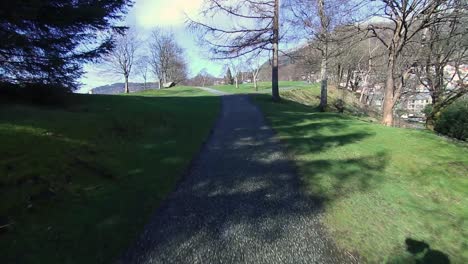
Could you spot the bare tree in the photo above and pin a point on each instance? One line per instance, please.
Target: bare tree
(403, 20)
(235, 66)
(142, 67)
(121, 59)
(323, 23)
(166, 58)
(204, 76)
(256, 30)
(444, 48)
(254, 66)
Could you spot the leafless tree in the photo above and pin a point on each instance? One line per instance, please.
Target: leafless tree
(121, 60)
(444, 49)
(166, 58)
(204, 76)
(402, 20)
(256, 29)
(323, 22)
(254, 65)
(235, 65)
(142, 68)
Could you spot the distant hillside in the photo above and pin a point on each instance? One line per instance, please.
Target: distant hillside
(290, 67)
(117, 88)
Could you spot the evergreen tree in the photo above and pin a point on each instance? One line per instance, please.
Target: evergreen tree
(47, 42)
(228, 78)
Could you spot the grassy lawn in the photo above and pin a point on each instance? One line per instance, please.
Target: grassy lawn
(383, 188)
(263, 87)
(77, 184)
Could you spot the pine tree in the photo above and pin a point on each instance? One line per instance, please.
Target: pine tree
(47, 42)
(228, 78)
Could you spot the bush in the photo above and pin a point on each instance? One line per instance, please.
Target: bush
(453, 121)
(34, 93)
(428, 109)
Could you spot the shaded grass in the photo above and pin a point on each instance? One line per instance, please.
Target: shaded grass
(382, 186)
(77, 184)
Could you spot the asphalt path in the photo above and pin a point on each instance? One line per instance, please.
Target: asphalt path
(241, 202)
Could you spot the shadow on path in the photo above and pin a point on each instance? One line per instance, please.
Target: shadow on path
(241, 203)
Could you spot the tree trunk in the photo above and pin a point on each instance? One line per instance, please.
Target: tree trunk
(254, 77)
(324, 64)
(237, 82)
(339, 76)
(430, 122)
(363, 93)
(274, 68)
(160, 84)
(323, 84)
(388, 103)
(348, 78)
(127, 90)
(435, 113)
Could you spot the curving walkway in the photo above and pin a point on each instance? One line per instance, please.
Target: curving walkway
(241, 203)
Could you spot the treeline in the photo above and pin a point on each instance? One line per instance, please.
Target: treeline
(402, 44)
(356, 44)
(158, 57)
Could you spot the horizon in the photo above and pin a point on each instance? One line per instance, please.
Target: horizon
(145, 15)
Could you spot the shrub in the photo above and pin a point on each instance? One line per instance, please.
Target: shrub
(428, 109)
(453, 121)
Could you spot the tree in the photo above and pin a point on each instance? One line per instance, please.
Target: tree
(235, 66)
(121, 60)
(228, 78)
(403, 21)
(166, 59)
(256, 30)
(319, 19)
(48, 41)
(142, 67)
(444, 48)
(254, 66)
(204, 76)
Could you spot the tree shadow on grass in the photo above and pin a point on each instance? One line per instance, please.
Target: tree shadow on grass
(309, 133)
(242, 200)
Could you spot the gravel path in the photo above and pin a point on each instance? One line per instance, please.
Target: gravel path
(213, 91)
(240, 203)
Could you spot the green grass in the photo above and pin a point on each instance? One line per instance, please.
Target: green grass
(77, 184)
(380, 185)
(263, 87)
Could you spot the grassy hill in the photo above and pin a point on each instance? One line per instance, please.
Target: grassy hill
(393, 195)
(77, 184)
(118, 88)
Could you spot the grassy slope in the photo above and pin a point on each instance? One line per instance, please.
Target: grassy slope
(78, 184)
(381, 185)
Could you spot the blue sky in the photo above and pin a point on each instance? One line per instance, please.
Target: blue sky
(170, 14)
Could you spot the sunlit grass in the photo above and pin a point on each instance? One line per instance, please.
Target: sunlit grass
(263, 87)
(380, 185)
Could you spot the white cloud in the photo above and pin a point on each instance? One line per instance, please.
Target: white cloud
(150, 13)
